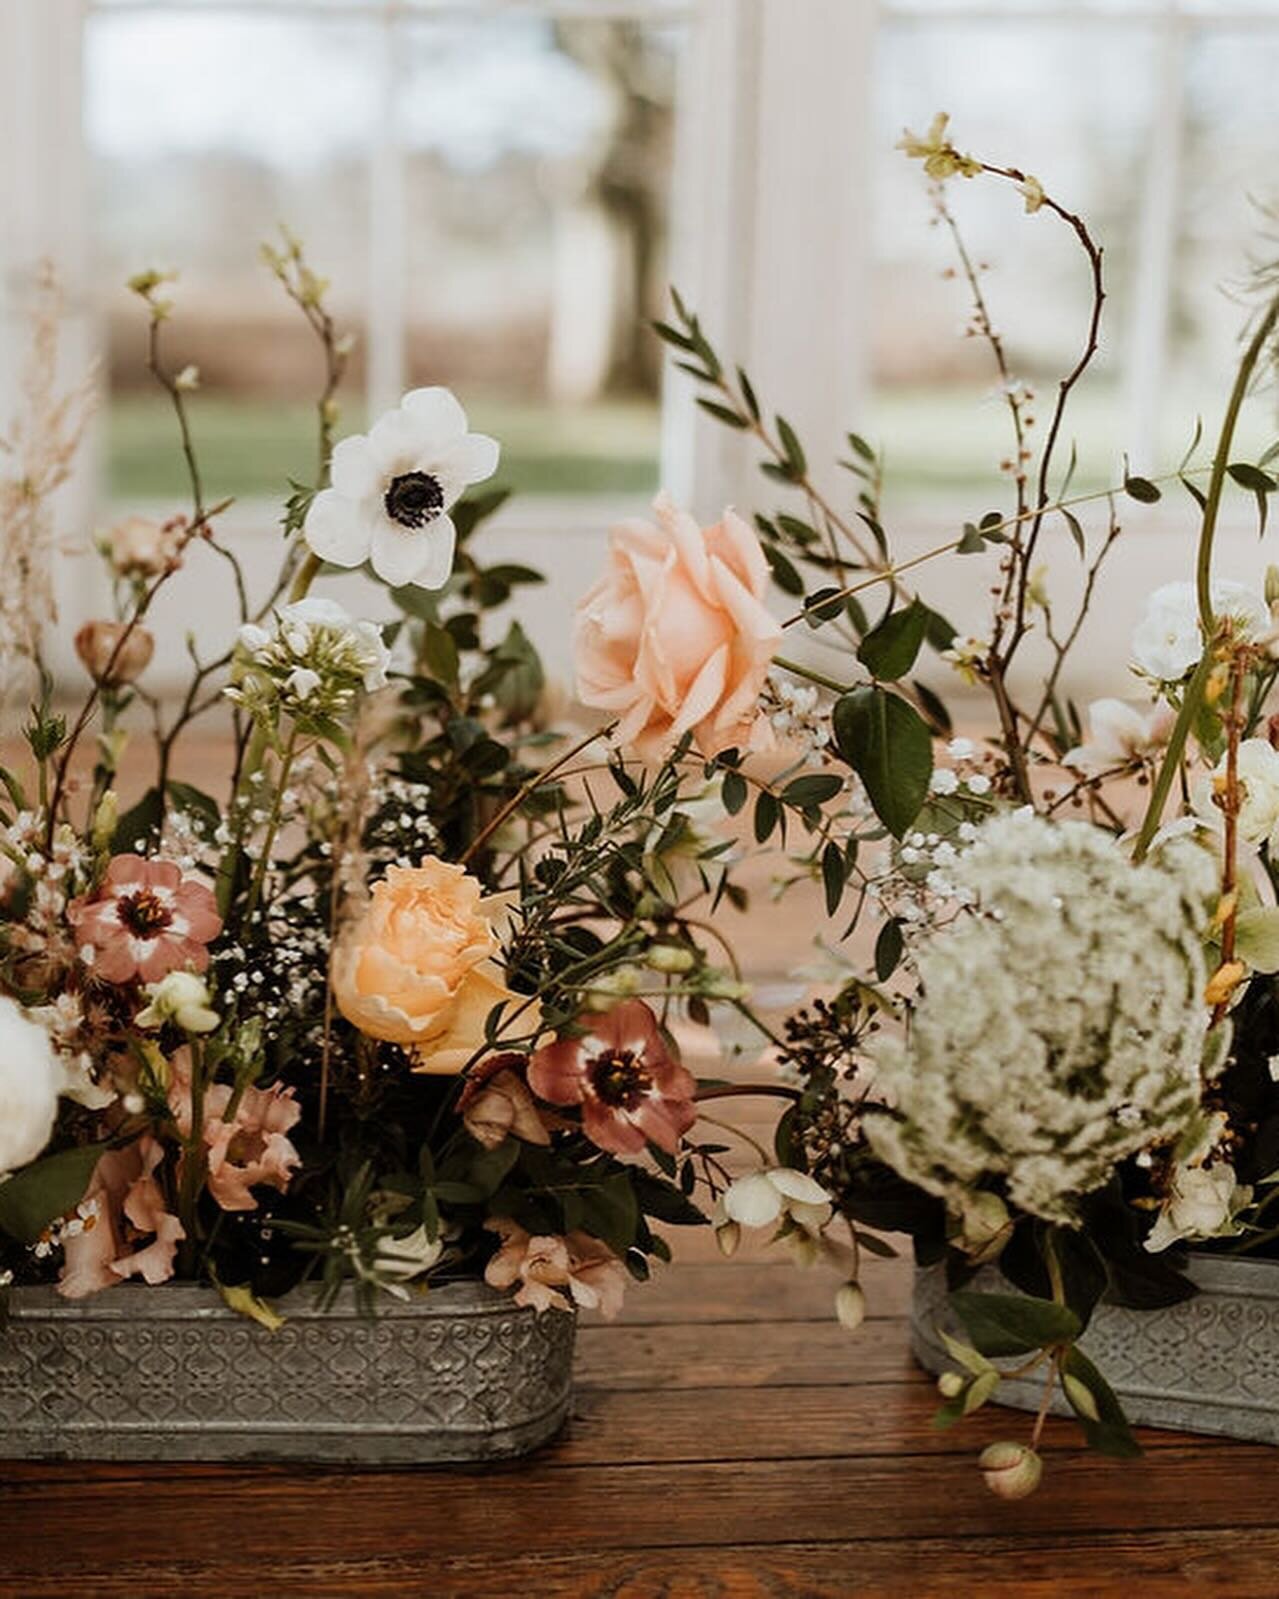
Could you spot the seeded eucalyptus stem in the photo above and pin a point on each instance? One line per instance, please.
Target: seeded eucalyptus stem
(1193, 699)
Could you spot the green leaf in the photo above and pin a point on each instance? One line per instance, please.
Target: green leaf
(1108, 1432)
(971, 541)
(888, 949)
(767, 811)
(793, 450)
(1251, 477)
(468, 514)
(1257, 938)
(859, 444)
(823, 605)
(1012, 1324)
(139, 824)
(1076, 532)
(440, 654)
(1140, 488)
(784, 573)
(803, 792)
(748, 394)
(733, 792)
(833, 877)
(888, 745)
(40, 1193)
(723, 414)
(890, 649)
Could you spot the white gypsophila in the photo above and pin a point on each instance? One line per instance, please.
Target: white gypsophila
(314, 663)
(392, 490)
(1061, 1023)
(31, 1077)
(1167, 641)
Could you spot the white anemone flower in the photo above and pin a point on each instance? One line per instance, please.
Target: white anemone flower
(1120, 734)
(31, 1077)
(393, 488)
(765, 1197)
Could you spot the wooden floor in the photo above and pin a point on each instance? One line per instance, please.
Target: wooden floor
(728, 1441)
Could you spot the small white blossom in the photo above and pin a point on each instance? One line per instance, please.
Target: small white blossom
(1168, 640)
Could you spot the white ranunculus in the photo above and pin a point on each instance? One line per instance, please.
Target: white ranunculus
(1202, 1202)
(1259, 781)
(31, 1077)
(1119, 734)
(1167, 642)
(393, 488)
(765, 1197)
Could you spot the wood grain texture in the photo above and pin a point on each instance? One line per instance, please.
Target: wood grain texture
(728, 1442)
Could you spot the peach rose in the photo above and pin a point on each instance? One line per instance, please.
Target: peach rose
(675, 636)
(417, 968)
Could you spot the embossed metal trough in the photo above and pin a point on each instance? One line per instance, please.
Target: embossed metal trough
(460, 1374)
(1209, 1364)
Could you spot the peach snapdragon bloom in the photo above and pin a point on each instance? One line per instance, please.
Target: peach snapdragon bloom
(417, 967)
(128, 1230)
(245, 1146)
(556, 1273)
(675, 637)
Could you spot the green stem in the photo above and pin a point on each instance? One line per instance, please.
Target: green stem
(306, 576)
(1196, 688)
(812, 675)
(273, 824)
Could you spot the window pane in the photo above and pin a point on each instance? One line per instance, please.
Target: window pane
(538, 165)
(1078, 107)
(206, 133)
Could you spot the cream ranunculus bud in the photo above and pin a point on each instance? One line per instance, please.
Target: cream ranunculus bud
(951, 1384)
(139, 547)
(850, 1305)
(1272, 585)
(104, 820)
(180, 997)
(114, 653)
(1012, 1471)
(985, 1225)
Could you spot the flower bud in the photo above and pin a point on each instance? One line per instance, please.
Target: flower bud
(1272, 585)
(106, 659)
(850, 1305)
(139, 547)
(670, 958)
(1081, 1397)
(1012, 1471)
(1224, 981)
(181, 997)
(188, 379)
(951, 1384)
(105, 818)
(985, 1225)
(728, 1235)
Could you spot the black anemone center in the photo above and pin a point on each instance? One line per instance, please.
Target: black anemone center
(413, 499)
(619, 1079)
(143, 914)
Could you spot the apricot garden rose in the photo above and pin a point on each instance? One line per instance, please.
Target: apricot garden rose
(675, 637)
(417, 968)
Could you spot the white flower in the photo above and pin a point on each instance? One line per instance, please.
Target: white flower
(399, 1260)
(1259, 781)
(181, 997)
(393, 488)
(315, 614)
(31, 1077)
(1120, 734)
(1074, 990)
(304, 682)
(944, 781)
(1201, 1202)
(765, 1197)
(1168, 642)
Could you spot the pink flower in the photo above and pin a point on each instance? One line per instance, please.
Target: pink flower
(675, 637)
(556, 1273)
(146, 920)
(620, 1072)
(249, 1148)
(125, 1207)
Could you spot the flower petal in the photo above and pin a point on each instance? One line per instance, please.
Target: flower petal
(471, 460)
(437, 415)
(336, 530)
(753, 1201)
(399, 554)
(353, 470)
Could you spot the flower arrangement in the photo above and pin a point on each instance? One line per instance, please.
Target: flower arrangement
(404, 1002)
(1060, 1054)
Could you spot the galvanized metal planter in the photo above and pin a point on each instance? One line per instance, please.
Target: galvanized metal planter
(1210, 1364)
(170, 1373)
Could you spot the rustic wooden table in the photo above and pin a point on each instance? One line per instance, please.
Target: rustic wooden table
(728, 1441)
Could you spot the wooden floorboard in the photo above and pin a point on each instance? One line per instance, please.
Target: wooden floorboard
(728, 1441)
